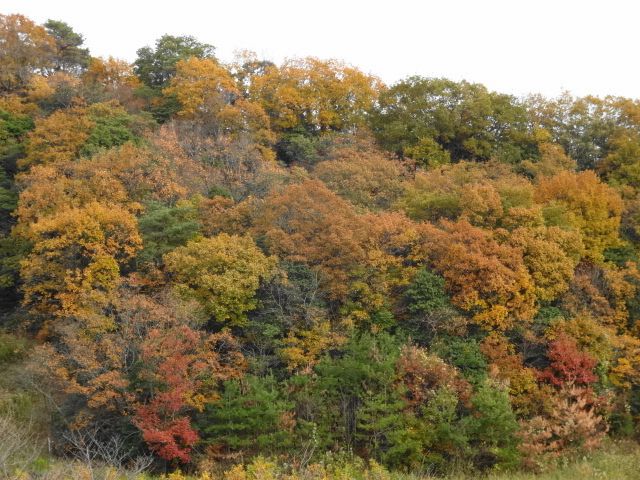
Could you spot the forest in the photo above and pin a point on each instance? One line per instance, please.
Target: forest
(260, 271)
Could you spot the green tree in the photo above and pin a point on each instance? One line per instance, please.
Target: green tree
(492, 428)
(156, 66)
(165, 228)
(69, 56)
(112, 127)
(251, 416)
(465, 119)
(361, 403)
(465, 354)
(441, 432)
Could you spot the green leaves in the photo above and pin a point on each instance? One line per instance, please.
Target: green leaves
(156, 66)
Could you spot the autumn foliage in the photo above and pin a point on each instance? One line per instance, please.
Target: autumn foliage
(207, 262)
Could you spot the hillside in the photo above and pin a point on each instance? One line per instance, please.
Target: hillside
(296, 271)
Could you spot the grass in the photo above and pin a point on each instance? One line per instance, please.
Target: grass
(615, 461)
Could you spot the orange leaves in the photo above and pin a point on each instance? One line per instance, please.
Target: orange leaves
(363, 175)
(77, 252)
(484, 277)
(571, 426)
(308, 223)
(183, 368)
(26, 48)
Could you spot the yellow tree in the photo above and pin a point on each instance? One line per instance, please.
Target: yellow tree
(582, 201)
(76, 260)
(551, 255)
(207, 91)
(202, 86)
(26, 48)
(222, 273)
(58, 137)
(315, 94)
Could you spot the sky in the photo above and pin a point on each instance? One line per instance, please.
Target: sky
(511, 46)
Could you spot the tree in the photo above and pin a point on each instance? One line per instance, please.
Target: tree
(69, 56)
(585, 203)
(76, 260)
(620, 166)
(223, 273)
(429, 309)
(362, 174)
(360, 396)
(425, 117)
(585, 127)
(14, 128)
(309, 223)
(182, 369)
(208, 93)
(428, 153)
(58, 137)
(26, 49)
(492, 430)
(165, 228)
(250, 416)
(483, 277)
(112, 127)
(156, 66)
(203, 87)
(568, 365)
(551, 256)
(316, 95)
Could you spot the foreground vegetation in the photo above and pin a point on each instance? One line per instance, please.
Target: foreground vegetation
(615, 462)
(204, 265)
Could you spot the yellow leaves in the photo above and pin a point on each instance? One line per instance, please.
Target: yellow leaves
(112, 73)
(26, 48)
(58, 137)
(237, 131)
(625, 373)
(222, 273)
(550, 265)
(322, 95)
(591, 206)
(553, 160)
(77, 251)
(303, 348)
(481, 204)
(494, 317)
(202, 86)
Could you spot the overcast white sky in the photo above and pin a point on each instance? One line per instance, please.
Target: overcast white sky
(512, 46)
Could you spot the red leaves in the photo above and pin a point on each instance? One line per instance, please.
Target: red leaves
(568, 365)
(183, 367)
(171, 439)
